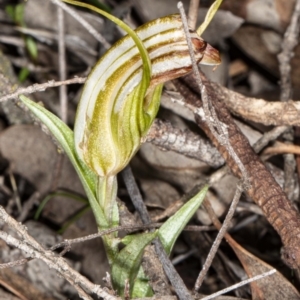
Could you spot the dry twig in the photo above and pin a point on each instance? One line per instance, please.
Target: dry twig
(176, 281)
(219, 238)
(62, 65)
(264, 189)
(164, 135)
(34, 250)
(289, 43)
(193, 13)
(41, 87)
(219, 132)
(251, 109)
(235, 286)
(207, 112)
(83, 22)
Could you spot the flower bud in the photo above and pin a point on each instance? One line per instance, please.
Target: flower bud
(117, 107)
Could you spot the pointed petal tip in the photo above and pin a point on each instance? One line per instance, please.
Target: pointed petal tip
(211, 56)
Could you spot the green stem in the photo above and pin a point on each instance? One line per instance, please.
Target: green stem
(106, 196)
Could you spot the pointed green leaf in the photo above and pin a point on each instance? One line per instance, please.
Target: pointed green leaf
(55, 194)
(127, 263)
(10, 10)
(143, 51)
(210, 14)
(170, 230)
(141, 287)
(64, 135)
(23, 74)
(31, 47)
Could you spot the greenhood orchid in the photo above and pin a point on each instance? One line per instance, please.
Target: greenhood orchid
(119, 102)
(121, 96)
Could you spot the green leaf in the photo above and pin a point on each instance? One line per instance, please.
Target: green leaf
(10, 10)
(127, 263)
(170, 230)
(57, 194)
(143, 51)
(141, 287)
(210, 14)
(16, 13)
(23, 74)
(74, 218)
(19, 14)
(31, 47)
(64, 135)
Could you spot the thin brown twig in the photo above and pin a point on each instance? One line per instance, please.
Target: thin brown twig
(62, 91)
(208, 114)
(15, 263)
(168, 137)
(282, 148)
(290, 179)
(28, 206)
(235, 286)
(83, 22)
(269, 136)
(34, 250)
(198, 228)
(265, 191)
(289, 43)
(219, 237)
(176, 281)
(128, 228)
(193, 13)
(259, 110)
(252, 109)
(41, 87)
(62, 68)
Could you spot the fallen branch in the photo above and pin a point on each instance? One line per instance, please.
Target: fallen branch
(264, 189)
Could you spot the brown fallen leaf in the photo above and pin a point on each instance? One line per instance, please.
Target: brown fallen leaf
(20, 286)
(271, 287)
(274, 287)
